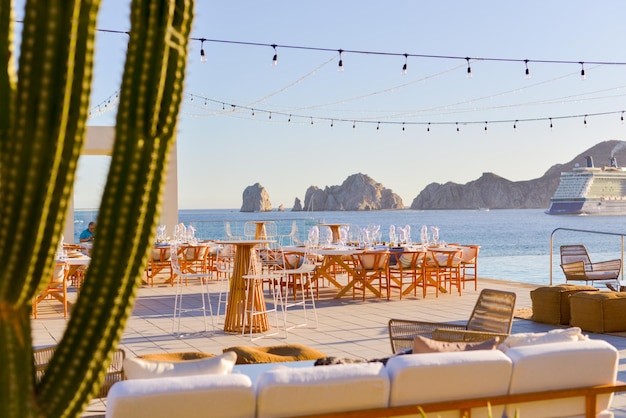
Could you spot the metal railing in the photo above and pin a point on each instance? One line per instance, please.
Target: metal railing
(590, 232)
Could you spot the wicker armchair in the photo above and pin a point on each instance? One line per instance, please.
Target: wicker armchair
(577, 266)
(492, 316)
(115, 371)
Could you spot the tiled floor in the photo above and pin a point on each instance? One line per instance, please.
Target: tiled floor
(347, 328)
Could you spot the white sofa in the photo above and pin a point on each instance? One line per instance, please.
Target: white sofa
(406, 380)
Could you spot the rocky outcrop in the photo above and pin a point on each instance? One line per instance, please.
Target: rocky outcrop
(494, 192)
(256, 199)
(297, 205)
(357, 192)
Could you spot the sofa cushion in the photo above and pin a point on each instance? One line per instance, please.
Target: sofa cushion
(274, 354)
(290, 392)
(228, 396)
(534, 338)
(136, 368)
(428, 345)
(438, 377)
(561, 365)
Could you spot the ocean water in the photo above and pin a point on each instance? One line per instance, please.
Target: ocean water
(515, 243)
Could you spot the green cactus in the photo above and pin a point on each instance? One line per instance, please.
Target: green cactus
(43, 110)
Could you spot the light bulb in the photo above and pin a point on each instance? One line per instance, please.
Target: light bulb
(583, 76)
(527, 70)
(202, 56)
(275, 57)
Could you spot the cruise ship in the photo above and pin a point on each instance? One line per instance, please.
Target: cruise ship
(591, 190)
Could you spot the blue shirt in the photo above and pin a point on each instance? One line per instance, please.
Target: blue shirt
(86, 234)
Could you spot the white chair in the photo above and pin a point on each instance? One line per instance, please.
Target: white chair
(181, 278)
(256, 312)
(297, 274)
(291, 238)
(228, 232)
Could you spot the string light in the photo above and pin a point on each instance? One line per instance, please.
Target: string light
(428, 128)
(332, 123)
(203, 58)
(275, 57)
(385, 53)
(402, 126)
(270, 115)
(340, 67)
(252, 112)
(469, 69)
(457, 127)
(353, 124)
(550, 123)
(582, 71)
(515, 125)
(622, 117)
(405, 67)
(378, 126)
(289, 121)
(527, 70)
(585, 121)
(485, 126)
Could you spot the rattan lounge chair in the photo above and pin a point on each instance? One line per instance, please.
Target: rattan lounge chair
(492, 316)
(114, 373)
(577, 266)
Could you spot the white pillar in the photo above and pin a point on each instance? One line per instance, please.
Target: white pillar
(99, 141)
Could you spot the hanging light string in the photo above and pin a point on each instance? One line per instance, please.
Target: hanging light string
(105, 106)
(467, 59)
(200, 102)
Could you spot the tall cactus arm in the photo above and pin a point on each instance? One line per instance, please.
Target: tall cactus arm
(7, 72)
(149, 103)
(41, 136)
(44, 140)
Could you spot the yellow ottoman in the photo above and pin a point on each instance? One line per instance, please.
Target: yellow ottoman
(598, 312)
(551, 303)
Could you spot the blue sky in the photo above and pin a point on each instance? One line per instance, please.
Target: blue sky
(220, 153)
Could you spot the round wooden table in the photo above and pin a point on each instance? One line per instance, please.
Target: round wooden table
(235, 320)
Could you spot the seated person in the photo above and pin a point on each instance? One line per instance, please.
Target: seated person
(88, 234)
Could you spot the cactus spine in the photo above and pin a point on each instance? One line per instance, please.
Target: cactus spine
(42, 126)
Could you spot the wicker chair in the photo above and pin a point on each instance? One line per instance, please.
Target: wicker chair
(577, 266)
(492, 316)
(114, 373)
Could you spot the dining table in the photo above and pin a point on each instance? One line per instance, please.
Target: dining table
(236, 320)
(334, 258)
(77, 265)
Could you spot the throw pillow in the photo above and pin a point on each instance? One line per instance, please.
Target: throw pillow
(136, 368)
(427, 345)
(275, 354)
(553, 336)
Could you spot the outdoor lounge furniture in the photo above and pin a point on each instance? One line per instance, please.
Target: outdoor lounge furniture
(528, 376)
(492, 316)
(577, 266)
(598, 312)
(114, 373)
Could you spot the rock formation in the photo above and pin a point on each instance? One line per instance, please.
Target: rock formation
(256, 199)
(297, 205)
(494, 192)
(358, 192)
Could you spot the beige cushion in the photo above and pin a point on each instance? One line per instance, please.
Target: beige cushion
(535, 338)
(224, 396)
(427, 345)
(438, 377)
(288, 392)
(136, 368)
(274, 354)
(562, 365)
